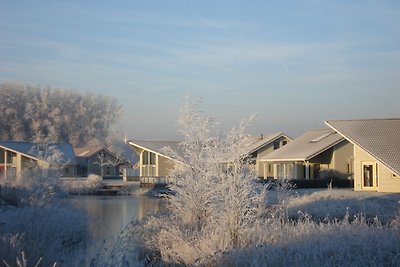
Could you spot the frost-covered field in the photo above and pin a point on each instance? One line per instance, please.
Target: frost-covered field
(329, 227)
(332, 227)
(37, 224)
(334, 203)
(337, 227)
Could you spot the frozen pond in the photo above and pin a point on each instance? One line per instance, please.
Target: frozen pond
(110, 214)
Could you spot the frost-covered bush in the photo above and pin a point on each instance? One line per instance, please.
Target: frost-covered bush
(32, 188)
(217, 203)
(328, 174)
(352, 241)
(336, 203)
(77, 186)
(56, 233)
(42, 225)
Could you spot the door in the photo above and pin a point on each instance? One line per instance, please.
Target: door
(369, 178)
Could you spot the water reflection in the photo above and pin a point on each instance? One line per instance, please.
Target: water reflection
(110, 214)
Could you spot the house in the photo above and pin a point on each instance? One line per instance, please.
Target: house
(305, 156)
(263, 145)
(153, 159)
(16, 156)
(97, 160)
(376, 152)
(155, 162)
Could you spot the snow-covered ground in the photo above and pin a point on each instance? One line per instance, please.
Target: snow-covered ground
(334, 203)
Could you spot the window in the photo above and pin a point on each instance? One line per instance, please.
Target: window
(284, 142)
(349, 168)
(108, 170)
(11, 156)
(148, 158)
(269, 168)
(276, 145)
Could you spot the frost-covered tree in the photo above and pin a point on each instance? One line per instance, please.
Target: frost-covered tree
(58, 114)
(217, 204)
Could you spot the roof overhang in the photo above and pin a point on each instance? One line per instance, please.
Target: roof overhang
(268, 142)
(19, 152)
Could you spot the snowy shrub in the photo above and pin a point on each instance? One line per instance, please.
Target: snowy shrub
(56, 233)
(77, 186)
(348, 242)
(41, 226)
(335, 204)
(329, 174)
(216, 204)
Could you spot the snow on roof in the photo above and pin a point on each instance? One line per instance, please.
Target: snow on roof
(306, 146)
(87, 151)
(158, 147)
(32, 150)
(378, 137)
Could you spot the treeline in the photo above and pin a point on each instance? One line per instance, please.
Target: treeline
(29, 112)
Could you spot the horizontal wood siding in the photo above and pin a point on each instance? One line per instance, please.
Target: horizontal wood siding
(386, 181)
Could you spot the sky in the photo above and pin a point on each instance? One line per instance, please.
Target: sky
(293, 63)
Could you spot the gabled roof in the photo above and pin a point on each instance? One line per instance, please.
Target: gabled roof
(378, 137)
(157, 147)
(87, 151)
(32, 150)
(83, 153)
(258, 142)
(306, 146)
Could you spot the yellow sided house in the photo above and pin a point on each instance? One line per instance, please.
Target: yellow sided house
(262, 145)
(376, 152)
(16, 156)
(155, 164)
(154, 161)
(307, 155)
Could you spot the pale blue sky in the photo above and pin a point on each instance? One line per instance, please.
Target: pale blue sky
(294, 63)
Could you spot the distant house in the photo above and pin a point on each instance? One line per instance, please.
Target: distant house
(376, 152)
(305, 156)
(97, 160)
(263, 145)
(153, 159)
(16, 156)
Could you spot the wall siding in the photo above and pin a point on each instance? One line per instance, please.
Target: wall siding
(386, 181)
(344, 155)
(165, 166)
(259, 168)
